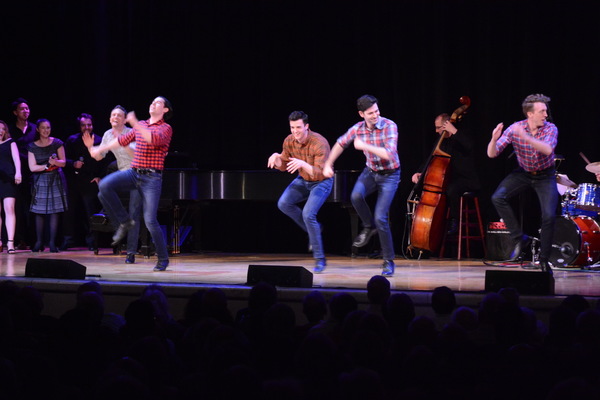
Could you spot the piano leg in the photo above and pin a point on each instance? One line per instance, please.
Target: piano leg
(176, 229)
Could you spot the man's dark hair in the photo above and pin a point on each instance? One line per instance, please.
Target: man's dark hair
(169, 114)
(86, 116)
(296, 115)
(365, 102)
(15, 104)
(534, 98)
(120, 107)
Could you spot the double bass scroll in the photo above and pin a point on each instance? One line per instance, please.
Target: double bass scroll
(429, 214)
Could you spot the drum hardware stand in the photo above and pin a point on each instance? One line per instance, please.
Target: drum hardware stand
(590, 266)
(534, 252)
(586, 245)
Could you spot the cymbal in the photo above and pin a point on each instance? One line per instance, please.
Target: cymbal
(558, 157)
(565, 181)
(594, 167)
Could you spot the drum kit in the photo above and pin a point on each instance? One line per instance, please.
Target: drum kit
(576, 241)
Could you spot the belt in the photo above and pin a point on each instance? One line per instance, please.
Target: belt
(146, 171)
(385, 171)
(542, 172)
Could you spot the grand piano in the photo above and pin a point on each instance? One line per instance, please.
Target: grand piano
(186, 190)
(256, 185)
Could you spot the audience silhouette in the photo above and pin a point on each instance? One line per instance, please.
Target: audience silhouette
(333, 348)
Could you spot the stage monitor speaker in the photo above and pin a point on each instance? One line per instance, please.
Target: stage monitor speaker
(54, 268)
(280, 275)
(525, 282)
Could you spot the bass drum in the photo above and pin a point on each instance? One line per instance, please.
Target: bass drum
(575, 240)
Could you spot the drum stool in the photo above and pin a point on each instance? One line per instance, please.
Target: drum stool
(470, 226)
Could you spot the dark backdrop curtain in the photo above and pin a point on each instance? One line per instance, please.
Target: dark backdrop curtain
(234, 70)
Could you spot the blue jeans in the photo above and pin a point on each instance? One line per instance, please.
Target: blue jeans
(385, 185)
(315, 194)
(149, 188)
(544, 186)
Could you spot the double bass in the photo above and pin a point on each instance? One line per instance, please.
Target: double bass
(429, 215)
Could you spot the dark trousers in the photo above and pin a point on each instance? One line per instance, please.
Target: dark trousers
(544, 185)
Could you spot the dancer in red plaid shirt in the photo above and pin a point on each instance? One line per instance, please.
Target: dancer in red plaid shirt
(152, 138)
(377, 138)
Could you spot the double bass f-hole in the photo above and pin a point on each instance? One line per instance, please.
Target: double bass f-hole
(429, 215)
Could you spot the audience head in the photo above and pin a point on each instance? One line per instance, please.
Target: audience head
(378, 290)
(262, 296)
(510, 294)
(341, 304)
(576, 302)
(443, 300)
(465, 317)
(140, 317)
(314, 306)
(399, 311)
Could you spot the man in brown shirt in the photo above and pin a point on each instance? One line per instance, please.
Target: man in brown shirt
(305, 152)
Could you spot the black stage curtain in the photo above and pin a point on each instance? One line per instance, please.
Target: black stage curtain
(234, 70)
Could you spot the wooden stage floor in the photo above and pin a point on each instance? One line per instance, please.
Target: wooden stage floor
(342, 272)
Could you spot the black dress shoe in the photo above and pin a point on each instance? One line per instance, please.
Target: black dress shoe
(161, 265)
(122, 231)
(37, 248)
(130, 259)
(518, 250)
(388, 268)
(546, 267)
(363, 237)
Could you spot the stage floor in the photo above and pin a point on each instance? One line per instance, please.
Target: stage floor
(342, 272)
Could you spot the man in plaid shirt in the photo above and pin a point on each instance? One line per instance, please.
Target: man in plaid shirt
(534, 140)
(377, 138)
(305, 152)
(152, 138)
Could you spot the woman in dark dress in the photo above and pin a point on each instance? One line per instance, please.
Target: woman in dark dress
(10, 177)
(48, 190)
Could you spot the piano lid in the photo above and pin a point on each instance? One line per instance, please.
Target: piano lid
(257, 185)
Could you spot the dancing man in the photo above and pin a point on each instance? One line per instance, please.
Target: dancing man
(377, 138)
(305, 152)
(534, 140)
(152, 138)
